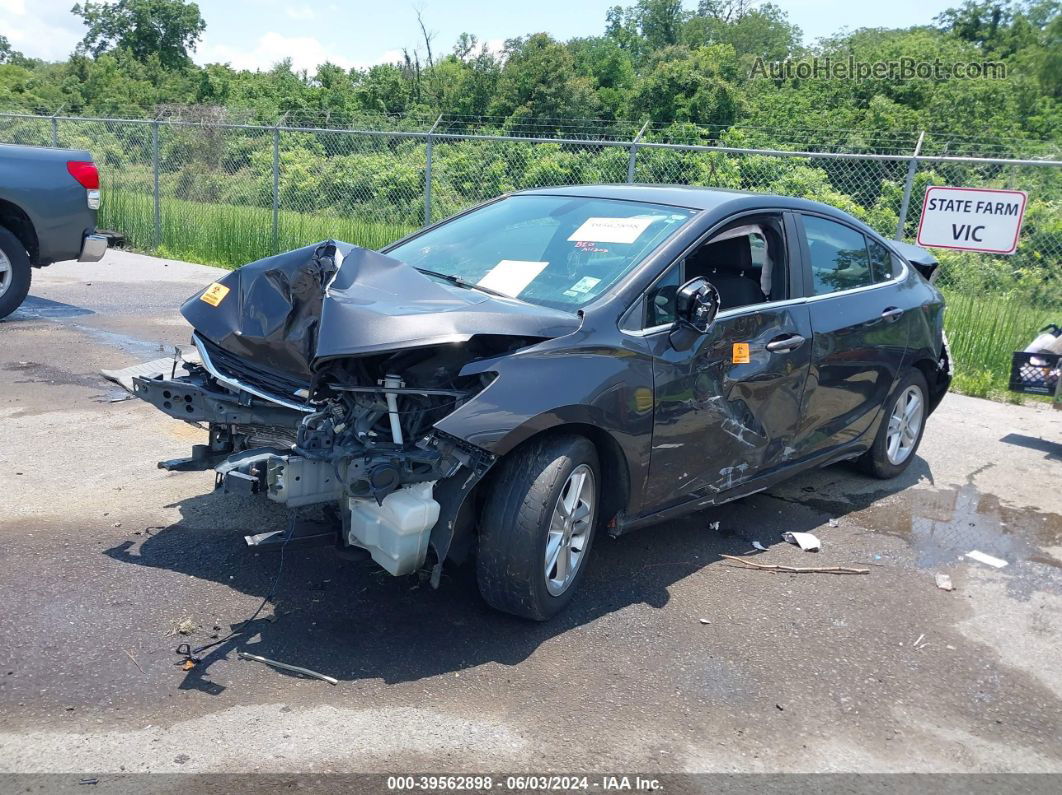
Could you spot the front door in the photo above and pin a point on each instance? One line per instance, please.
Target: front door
(728, 408)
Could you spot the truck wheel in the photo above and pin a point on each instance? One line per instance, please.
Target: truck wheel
(14, 273)
(901, 429)
(537, 527)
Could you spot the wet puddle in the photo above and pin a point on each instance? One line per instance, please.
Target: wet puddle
(945, 524)
(43, 308)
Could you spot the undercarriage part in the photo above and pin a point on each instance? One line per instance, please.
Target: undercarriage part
(194, 399)
(393, 382)
(395, 531)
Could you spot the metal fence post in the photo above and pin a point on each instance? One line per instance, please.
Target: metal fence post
(427, 173)
(633, 156)
(276, 188)
(155, 178)
(907, 186)
(55, 131)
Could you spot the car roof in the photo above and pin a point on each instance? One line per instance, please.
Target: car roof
(690, 196)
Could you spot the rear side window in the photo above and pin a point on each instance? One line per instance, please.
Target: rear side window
(883, 263)
(839, 258)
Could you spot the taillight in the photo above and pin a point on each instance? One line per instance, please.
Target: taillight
(84, 171)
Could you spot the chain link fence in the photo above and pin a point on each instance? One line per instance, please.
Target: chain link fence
(210, 191)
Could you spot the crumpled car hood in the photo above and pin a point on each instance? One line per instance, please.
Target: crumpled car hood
(294, 310)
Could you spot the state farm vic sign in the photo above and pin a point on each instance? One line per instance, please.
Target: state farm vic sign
(972, 219)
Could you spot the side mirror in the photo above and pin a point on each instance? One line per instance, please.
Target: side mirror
(696, 305)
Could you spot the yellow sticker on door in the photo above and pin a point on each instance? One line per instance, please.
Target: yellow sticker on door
(214, 294)
(741, 353)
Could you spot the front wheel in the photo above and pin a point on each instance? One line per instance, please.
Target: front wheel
(901, 429)
(537, 526)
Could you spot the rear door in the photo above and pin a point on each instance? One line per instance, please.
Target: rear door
(860, 313)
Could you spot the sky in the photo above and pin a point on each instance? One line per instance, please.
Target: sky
(257, 33)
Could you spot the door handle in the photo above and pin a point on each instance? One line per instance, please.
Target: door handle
(789, 342)
(892, 313)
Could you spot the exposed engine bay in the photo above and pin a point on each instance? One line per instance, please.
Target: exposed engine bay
(354, 432)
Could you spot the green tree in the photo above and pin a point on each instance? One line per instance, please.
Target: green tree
(538, 82)
(684, 85)
(166, 28)
(760, 32)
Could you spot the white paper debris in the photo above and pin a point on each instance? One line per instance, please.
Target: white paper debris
(944, 582)
(808, 542)
(759, 546)
(988, 560)
(705, 621)
(834, 523)
(713, 525)
(611, 230)
(511, 276)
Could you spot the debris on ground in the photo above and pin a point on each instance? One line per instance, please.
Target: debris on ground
(759, 546)
(286, 667)
(808, 542)
(705, 621)
(129, 654)
(713, 525)
(944, 582)
(188, 664)
(988, 560)
(833, 523)
(915, 645)
(796, 569)
(186, 626)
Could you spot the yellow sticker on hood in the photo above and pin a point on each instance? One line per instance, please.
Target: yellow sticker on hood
(214, 294)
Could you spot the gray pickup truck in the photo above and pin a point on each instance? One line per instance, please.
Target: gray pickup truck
(48, 203)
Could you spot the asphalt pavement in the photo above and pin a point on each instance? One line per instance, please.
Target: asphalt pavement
(670, 659)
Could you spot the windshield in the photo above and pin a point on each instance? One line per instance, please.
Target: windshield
(557, 251)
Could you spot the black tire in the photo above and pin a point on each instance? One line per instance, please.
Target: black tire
(875, 461)
(18, 276)
(515, 526)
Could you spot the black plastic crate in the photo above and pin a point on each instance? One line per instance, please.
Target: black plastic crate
(1034, 373)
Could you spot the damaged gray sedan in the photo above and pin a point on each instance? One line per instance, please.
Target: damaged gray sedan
(554, 363)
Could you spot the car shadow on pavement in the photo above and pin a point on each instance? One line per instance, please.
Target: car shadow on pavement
(352, 620)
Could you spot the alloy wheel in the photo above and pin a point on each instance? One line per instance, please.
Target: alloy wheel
(905, 423)
(569, 530)
(6, 274)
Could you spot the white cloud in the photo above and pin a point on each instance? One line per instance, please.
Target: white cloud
(48, 33)
(300, 12)
(305, 52)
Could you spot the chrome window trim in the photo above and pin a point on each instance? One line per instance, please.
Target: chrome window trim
(235, 383)
(726, 314)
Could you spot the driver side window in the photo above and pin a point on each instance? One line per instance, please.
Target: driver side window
(745, 261)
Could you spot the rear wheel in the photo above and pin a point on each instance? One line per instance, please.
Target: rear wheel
(14, 273)
(901, 429)
(537, 527)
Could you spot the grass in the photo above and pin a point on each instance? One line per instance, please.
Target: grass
(983, 329)
(231, 235)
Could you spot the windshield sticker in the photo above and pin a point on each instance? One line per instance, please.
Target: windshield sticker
(611, 230)
(511, 276)
(584, 285)
(589, 247)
